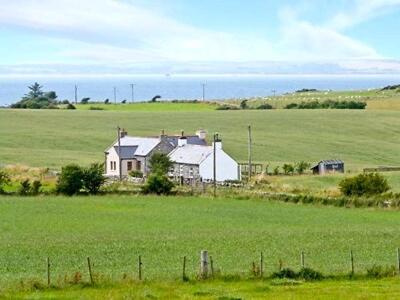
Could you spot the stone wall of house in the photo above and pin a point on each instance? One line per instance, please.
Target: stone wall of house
(163, 147)
(188, 172)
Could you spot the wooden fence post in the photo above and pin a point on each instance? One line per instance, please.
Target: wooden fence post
(140, 267)
(261, 264)
(90, 270)
(204, 264)
(211, 266)
(184, 278)
(302, 259)
(352, 262)
(48, 272)
(398, 260)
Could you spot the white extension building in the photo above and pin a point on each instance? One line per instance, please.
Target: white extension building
(196, 163)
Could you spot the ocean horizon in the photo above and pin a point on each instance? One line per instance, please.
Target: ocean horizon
(185, 86)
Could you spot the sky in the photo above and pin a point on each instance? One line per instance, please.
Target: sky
(59, 35)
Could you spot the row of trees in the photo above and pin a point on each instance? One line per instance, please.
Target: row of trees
(327, 104)
(290, 169)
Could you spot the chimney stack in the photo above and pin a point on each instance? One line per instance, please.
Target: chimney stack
(182, 141)
(218, 144)
(123, 133)
(201, 133)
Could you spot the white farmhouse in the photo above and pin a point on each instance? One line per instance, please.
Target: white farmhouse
(196, 163)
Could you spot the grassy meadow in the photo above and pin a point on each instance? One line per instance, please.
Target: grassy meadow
(53, 138)
(115, 230)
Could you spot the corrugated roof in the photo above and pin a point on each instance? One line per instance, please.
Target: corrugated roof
(328, 162)
(190, 154)
(144, 144)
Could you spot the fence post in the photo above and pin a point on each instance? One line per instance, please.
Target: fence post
(352, 262)
(204, 264)
(140, 267)
(212, 266)
(48, 272)
(184, 278)
(261, 264)
(398, 260)
(90, 270)
(302, 259)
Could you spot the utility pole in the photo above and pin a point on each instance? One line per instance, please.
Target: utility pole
(119, 153)
(133, 92)
(115, 95)
(76, 94)
(215, 164)
(274, 91)
(204, 91)
(249, 150)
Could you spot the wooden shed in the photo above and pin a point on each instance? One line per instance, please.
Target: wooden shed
(328, 166)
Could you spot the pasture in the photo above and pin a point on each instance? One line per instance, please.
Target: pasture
(115, 230)
(53, 138)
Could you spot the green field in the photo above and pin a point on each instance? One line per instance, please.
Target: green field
(52, 138)
(115, 230)
(217, 290)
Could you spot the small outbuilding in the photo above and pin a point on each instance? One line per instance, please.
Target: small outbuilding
(328, 166)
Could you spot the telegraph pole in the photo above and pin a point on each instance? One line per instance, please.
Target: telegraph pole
(215, 163)
(115, 95)
(249, 152)
(119, 153)
(204, 91)
(133, 92)
(274, 91)
(76, 94)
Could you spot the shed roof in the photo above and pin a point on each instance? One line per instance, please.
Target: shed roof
(328, 162)
(190, 154)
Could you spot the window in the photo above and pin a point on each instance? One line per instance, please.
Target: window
(129, 166)
(138, 165)
(111, 165)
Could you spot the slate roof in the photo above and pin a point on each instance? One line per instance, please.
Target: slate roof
(127, 152)
(143, 145)
(190, 154)
(191, 139)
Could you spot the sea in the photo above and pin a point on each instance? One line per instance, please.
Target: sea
(185, 87)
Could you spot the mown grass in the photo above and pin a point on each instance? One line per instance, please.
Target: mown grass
(50, 138)
(115, 230)
(221, 290)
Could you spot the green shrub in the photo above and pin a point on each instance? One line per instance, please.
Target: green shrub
(4, 180)
(265, 106)
(71, 106)
(285, 273)
(24, 188)
(291, 106)
(276, 170)
(93, 178)
(243, 104)
(158, 184)
(333, 104)
(35, 187)
(95, 108)
(136, 174)
(70, 181)
(288, 169)
(226, 107)
(364, 184)
(309, 274)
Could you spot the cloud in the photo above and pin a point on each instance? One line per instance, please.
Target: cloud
(364, 10)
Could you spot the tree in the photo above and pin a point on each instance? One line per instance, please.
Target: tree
(160, 163)
(288, 169)
(70, 181)
(4, 180)
(24, 188)
(302, 166)
(35, 91)
(85, 100)
(243, 104)
(155, 98)
(51, 95)
(93, 178)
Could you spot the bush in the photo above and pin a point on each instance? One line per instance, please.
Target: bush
(96, 108)
(364, 184)
(302, 166)
(35, 187)
(285, 273)
(70, 181)
(226, 107)
(288, 169)
(24, 188)
(136, 174)
(291, 106)
(243, 104)
(4, 180)
(93, 178)
(276, 170)
(158, 184)
(71, 106)
(333, 104)
(264, 106)
(309, 274)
